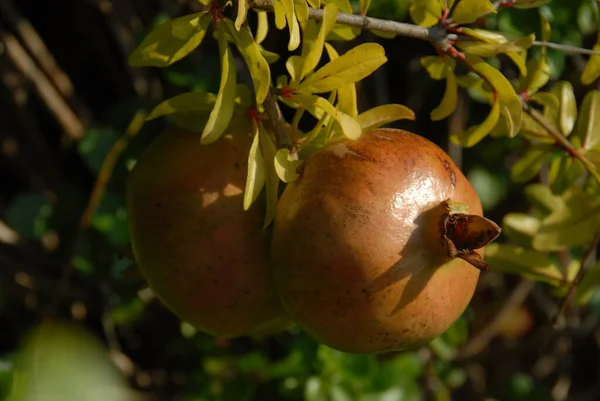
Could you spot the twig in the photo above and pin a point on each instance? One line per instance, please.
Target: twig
(560, 139)
(582, 270)
(281, 128)
(566, 48)
(482, 339)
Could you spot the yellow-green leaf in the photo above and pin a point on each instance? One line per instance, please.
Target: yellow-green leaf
(343, 5)
(269, 56)
(256, 177)
(542, 198)
(185, 103)
(524, 262)
(382, 115)
(268, 150)
(508, 98)
(425, 12)
(469, 11)
(292, 23)
(347, 101)
(564, 171)
(530, 164)
(220, 116)
(171, 41)
(567, 110)
(314, 3)
(255, 61)
(588, 123)
(520, 60)
(524, 4)
(538, 74)
(384, 34)
(279, 11)
(262, 26)
(301, 10)
(343, 33)
(316, 105)
(546, 30)
(349, 68)
(448, 104)
(592, 68)
(483, 49)
(473, 135)
(242, 13)
(546, 99)
(435, 66)
(520, 227)
(287, 165)
(316, 50)
(364, 6)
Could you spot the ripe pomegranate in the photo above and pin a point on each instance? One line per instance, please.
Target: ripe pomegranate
(203, 256)
(373, 245)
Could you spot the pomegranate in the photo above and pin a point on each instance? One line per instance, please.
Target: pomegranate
(374, 244)
(203, 256)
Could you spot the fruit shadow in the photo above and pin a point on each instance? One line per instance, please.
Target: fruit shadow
(417, 261)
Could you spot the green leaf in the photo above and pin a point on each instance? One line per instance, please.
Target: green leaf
(542, 197)
(564, 171)
(526, 263)
(538, 74)
(546, 99)
(242, 13)
(530, 164)
(286, 166)
(588, 123)
(491, 43)
(268, 151)
(425, 12)
(313, 56)
(437, 67)
(292, 23)
(349, 68)
(469, 11)
(255, 61)
(473, 135)
(185, 103)
(171, 41)
(262, 26)
(591, 71)
(567, 110)
(573, 225)
(510, 102)
(382, 115)
(589, 284)
(255, 180)
(520, 227)
(316, 105)
(525, 4)
(449, 101)
(347, 100)
(221, 114)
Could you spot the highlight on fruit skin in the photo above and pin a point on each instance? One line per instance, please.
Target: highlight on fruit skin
(375, 244)
(203, 256)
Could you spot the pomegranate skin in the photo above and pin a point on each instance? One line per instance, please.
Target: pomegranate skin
(358, 255)
(203, 256)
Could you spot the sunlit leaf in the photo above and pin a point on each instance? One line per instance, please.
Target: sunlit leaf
(473, 135)
(292, 23)
(436, 66)
(523, 262)
(257, 65)
(563, 172)
(256, 177)
(286, 165)
(545, 28)
(509, 100)
(538, 74)
(185, 103)
(492, 49)
(171, 41)
(316, 105)
(530, 164)
(469, 11)
(425, 12)
(268, 150)
(567, 110)
(546, 99)
(382, 115)
(588, 123)
(314, 54)
(301, 10)
(269, 56)
(349, 68)
(591, 71)
(364, 6)
(314, 3)
(575, 224)
(449, 101)
(343, 5)
(279, 11)
(384, 34)
(520, 60)
(262, 26)
(223, 111)
(242, 13)
(347, 99)
(343, 32)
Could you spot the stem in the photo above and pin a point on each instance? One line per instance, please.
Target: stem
(566, 48)
(560, 139)
(282, 130)
(580, 274)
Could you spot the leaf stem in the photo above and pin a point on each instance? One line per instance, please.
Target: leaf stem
(560, 139)
(580, 274)
(282, 130)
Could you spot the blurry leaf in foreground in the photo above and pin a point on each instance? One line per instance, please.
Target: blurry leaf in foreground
(588, 123)
(29, 214)
(64, 363)
(592, 68)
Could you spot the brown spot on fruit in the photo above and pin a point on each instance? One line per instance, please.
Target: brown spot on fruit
(345, 226)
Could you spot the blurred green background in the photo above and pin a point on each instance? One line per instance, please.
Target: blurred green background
(67, 97)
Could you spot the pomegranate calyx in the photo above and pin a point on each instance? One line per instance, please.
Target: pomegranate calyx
(464, 233)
